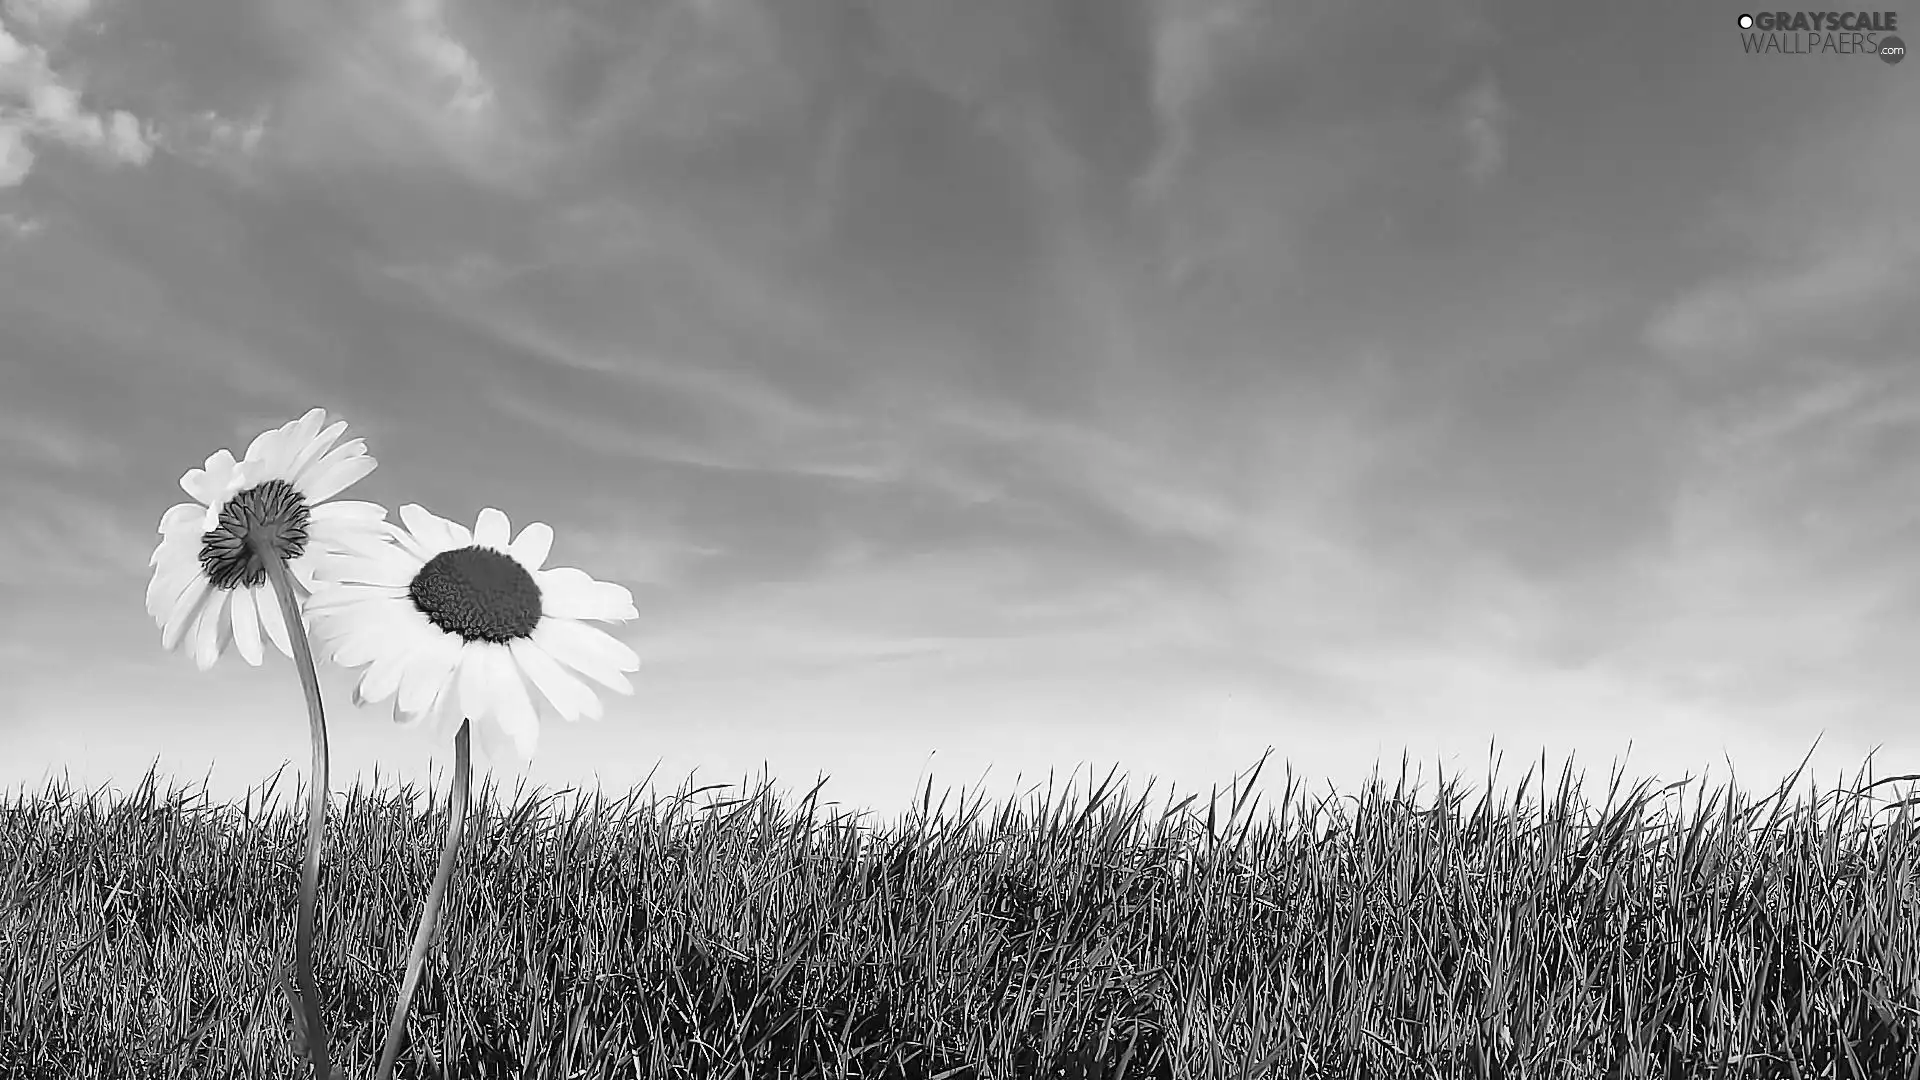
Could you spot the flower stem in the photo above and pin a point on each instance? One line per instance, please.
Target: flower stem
(456, 822)
(312, 1021)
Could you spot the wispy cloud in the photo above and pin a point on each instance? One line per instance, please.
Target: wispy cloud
(1196, 44)
(38, 104)
(1843, 291)
(219, 142)
(62, 539)
(395, 83)
(20, 226)
(1483, 119)
(49, 440)
(48, 16)
(1829, 258)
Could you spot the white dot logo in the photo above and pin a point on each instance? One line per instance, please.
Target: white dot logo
(1746, 22)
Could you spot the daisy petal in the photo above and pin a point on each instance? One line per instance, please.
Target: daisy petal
(588, 651)
(426, 679)
(181, 515)
(211, 634)
(265, 447)
(167, 585)
(372, 636)
(391, 568)
(474, 686)
(532, 546)
(459, 535)
(433, 532)
(492, 529)
(329, 477)
(513, 709)
(271, 619)
(567, 593)
(405, 540)
(305, 428)
(347, 510)
(357, 539)
(312, 442)
(383, 676)
(208, 485)
(246, 626)
(495, 747)
(569, 697)
(185, 606)
(182, 547)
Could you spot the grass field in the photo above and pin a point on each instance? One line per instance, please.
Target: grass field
(1669, 932)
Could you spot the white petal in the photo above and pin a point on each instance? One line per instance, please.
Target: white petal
(405, 540)
(246, 626)
(347, 510)
(272, 620)
(532, 546)
(427, 677)
(513, 709)
(492, 529)
(391, 568)
(382, 677)
(334, 602)
(304, 429)
(571, 699)
(185, 606)
(358, 539)
(210, 634)
(567, 593)
(312, 443)
(380, 631)
(495, 747)
(588, 651)
(168, 583)
(181, 515)
(265, 451)
(182, 548)
(459, 535)
(209, 485)
(328, 597)
(434, 533)
(302, 570)
(402, 718)
(475, 697)
(445, 715)
(337, 471)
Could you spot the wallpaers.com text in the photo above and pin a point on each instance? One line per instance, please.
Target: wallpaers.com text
(1843, 32)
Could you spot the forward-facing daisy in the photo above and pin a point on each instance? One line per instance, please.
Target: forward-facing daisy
(210, 587)
(466, 625)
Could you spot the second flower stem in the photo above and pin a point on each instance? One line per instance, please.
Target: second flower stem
(423, 934)
(312, 1021)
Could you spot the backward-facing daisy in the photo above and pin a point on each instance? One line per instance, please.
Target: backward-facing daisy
(210, 587)
(457, 625)
(235, 562)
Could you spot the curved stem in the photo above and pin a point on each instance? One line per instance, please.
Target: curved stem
(456, 822)
(309, 1003)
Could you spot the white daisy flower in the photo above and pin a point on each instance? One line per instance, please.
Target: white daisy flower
(209, 586)
(454, 624)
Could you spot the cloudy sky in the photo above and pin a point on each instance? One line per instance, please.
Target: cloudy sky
(1018, 383)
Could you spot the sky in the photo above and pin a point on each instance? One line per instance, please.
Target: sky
(972, 388)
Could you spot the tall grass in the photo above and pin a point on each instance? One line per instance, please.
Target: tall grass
(1353, 935)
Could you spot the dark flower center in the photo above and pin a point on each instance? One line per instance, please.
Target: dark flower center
(477, 593)
(273, 511)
